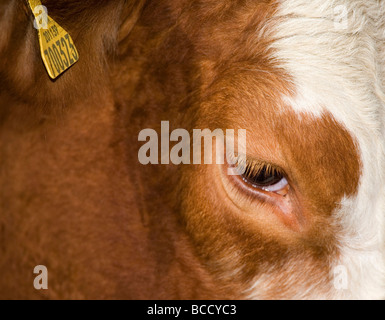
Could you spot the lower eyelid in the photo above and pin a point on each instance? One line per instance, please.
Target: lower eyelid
(246, 191)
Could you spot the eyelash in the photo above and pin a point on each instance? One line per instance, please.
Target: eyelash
(251, 169)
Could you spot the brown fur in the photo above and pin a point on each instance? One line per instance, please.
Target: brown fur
(73, 196)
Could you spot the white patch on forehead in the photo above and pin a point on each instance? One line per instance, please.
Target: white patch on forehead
(333, 67)
(334, 52)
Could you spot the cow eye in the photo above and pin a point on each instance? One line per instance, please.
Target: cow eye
(262, 176)
(252, 184)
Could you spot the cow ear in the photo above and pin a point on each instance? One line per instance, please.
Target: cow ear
(131, 12)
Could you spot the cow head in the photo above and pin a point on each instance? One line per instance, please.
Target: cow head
(306, 218)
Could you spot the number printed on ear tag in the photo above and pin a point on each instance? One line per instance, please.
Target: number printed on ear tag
(56, 46)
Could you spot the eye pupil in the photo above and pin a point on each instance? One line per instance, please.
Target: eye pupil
(262, 178)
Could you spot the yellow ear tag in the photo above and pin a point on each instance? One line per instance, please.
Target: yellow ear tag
(56, 46)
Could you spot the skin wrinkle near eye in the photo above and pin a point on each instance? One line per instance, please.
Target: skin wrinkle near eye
(285, 208)
(261, 206)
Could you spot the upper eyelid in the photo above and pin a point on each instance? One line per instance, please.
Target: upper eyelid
(257, 165)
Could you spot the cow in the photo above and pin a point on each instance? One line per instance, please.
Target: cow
(305, 220)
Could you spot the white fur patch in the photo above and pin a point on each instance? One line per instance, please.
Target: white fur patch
(335, 53)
